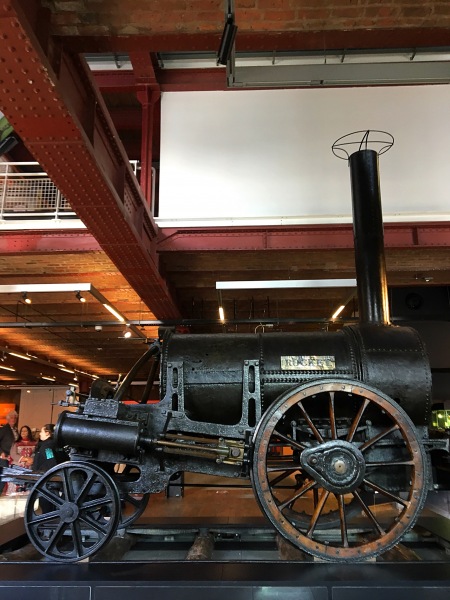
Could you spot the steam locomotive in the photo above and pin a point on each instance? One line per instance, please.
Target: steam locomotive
(329, 426)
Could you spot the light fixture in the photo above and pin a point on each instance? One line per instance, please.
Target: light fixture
(127, 332)
(338, 312)
(221, 314)
(79, 297)
(19, 355)
(344, 68)
(25, 298)
(114, 312)
(48, 378)
(340, 308)
(284, 283)
(228, 35)
(6, 368)
(76, 288)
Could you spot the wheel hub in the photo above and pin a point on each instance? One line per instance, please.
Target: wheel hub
(339, 466)
(69, 512)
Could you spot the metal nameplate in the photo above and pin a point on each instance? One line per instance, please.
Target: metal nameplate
(308, 363)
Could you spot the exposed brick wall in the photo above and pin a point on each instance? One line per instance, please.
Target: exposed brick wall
(130, 17)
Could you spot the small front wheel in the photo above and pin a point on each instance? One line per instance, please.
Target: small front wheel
(72, 511)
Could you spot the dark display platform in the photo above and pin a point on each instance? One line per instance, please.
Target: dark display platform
(222, 581)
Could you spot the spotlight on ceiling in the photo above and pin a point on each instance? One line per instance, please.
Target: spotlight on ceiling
(228, 36)
(79, 297)
(25, 298)
(127, 333)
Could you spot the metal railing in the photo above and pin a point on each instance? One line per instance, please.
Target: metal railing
(26, 192)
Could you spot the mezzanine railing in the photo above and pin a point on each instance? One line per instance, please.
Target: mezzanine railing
(27, 192)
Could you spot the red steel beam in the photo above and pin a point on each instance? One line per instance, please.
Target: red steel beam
(263, 41)
(64, 123)
(411, 235)
(13, 242)
(169, 80)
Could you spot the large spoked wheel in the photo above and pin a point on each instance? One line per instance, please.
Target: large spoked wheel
(72, 511)
(343, 454)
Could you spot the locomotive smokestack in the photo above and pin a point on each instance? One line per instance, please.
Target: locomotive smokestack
(367, 226)
(369, 238)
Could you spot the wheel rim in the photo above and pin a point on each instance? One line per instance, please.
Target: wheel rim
(72, 511)
(324, 449)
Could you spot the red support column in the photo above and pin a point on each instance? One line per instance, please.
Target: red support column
(148, 94)
(148, 99)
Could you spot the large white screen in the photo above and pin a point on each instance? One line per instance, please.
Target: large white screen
(266, 155)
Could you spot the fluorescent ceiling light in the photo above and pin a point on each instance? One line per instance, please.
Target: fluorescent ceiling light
(6, 368)
(284, 283)
(47, 287)
(19, 355)
(338, 311)
(114, 312)
(341, 74)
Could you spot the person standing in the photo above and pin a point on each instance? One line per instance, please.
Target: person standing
(8, 435)
(47, 455)
(22, 449)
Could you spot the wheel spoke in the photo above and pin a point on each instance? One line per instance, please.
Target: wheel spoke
(38, 519)
(83, 491)
(77, 539)
(369, 513)
(289, 441)
(305, 488)
(386, 493)
(133, 501)
(316, 433)
(342, 519)
(357, 420)
(96, 503)
(67, 486)
(279, 467)
(56, 536)
(50, 496)
(317, 512)
(390, 463)
(93, 524)
(332, 417)
(379, 437)
(277, 480)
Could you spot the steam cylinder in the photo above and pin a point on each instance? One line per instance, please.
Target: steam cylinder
(392, 359)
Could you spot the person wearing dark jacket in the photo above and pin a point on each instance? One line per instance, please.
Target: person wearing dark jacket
(47, 455)
(8, 435)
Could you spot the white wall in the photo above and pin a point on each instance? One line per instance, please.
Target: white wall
(267, 154)
(39, 406)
